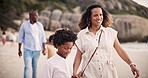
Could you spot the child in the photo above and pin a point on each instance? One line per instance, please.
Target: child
(4, 38)
(50, 48)
(56, 66)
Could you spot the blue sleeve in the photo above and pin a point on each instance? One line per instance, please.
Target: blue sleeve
(21, 34)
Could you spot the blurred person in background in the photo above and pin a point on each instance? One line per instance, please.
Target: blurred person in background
(4, 37)
(51, 50)
(32, 36)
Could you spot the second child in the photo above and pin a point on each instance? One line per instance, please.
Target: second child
(51, 50)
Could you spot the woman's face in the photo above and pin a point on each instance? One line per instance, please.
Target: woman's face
(64, 50)
(96, 17)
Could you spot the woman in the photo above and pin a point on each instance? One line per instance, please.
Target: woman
(95, 23)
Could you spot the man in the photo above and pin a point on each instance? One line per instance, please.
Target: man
(32, 36)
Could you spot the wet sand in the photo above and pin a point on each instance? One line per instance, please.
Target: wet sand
(11, 66)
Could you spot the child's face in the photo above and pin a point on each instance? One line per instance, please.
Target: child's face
(65, 49)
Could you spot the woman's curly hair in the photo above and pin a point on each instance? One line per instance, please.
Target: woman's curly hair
(63, 35)
(85, 20)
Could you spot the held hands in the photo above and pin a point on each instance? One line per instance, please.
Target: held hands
(79, 75)
(75, 76)
(134, 70)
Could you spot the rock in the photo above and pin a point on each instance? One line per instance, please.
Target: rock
(45, 13)
(56, 15)
(55, 25)
(130, 27)
(66, 16)
(75, 27)
(45, 21)
(75, 18)
(66, 24)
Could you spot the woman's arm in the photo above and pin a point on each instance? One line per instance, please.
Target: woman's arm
(125, 57)
(121, 52)
(77, 62)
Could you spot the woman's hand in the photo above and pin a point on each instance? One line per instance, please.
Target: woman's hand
(134, 70)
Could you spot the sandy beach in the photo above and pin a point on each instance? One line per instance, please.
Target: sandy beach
(11, 66)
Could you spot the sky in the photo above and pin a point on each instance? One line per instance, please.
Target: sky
(142, 2)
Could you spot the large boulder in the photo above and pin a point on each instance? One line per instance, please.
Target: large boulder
(65, 20)
(75, 18)
(66, 24)
(130, 27)
(46, 13)
(45, 21)
(55, 25)
(56, 14)
(66, 16)
(75, 27)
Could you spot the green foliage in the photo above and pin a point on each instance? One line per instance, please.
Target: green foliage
(13, 9)
(64, 5)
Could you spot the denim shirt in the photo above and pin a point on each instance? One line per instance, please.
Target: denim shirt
(26, 36)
